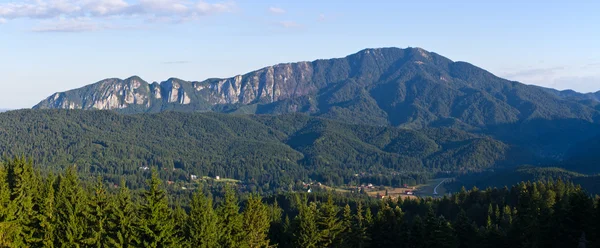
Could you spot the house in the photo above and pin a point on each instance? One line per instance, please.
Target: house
(370, 185)
(170, 182)
(410, 193)
(193, 177)
(144, 168)
(218, 177)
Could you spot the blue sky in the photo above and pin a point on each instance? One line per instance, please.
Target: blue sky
(48, 46)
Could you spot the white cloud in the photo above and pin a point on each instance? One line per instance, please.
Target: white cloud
(289, 24)
(277, 11)
(204, 8)
(322, 18)
(2, 21)
(68, 25)
(580, 78)
(174, 10)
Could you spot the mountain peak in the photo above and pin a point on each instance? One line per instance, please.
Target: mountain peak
(409, 87)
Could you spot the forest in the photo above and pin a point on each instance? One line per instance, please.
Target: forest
(269, 152)
(39, 210)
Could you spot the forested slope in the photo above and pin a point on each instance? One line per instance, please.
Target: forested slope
(263, 149)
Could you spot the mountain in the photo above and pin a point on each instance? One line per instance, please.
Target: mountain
(388, 86)
(263, 149)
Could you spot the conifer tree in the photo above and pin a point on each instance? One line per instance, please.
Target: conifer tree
(202, 224)
(231, 233)
(97, 235)
(347, 221)
(123, 220)
(46, 218)
(277, 231)
(465, 232)
(156, 227)
(6, 213)
(256, 222)
(180, 218)
(23, 184)
(329, 225)
(360, 237)
(71, 211)
(307, 233)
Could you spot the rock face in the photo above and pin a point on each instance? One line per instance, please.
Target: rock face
(388, 86)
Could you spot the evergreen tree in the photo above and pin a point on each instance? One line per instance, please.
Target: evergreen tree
(347, 221)
(180, 217)
(360, 237)
(23, 184)
(46, 217)
(72, 208)
(256, 222)
(202, 224)
(307, 233)
(123, 220)
(329, 225)
(277, 230)
(156, 227)
(6, 213)
(98, 217)
(465, 232)
(231, 233)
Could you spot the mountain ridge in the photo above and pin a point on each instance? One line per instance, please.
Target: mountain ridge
(383, 86)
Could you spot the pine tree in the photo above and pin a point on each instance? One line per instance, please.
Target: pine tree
(97, 218)
(6, 213)
(123, 219)
(23, 184)
(329, 225)
(202, 224)
(71, 211)
(360, 237)
(180, 218)
(465, 232)
(156, 227)
(256, 223)
(307, 233)
(47, 217)
(277, 232)
(347, 221)
(231, 233)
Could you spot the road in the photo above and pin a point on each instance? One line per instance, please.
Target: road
(435, 189)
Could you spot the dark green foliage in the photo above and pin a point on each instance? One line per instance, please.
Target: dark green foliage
(72, 207)
(122, 228)
(270, 152)
(231, 224)
(256, 222)
(65, 213)
(156, 225)
(202, 228)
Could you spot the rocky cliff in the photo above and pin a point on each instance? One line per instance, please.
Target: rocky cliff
(402, 87)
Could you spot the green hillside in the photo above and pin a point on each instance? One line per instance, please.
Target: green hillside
(275, 150)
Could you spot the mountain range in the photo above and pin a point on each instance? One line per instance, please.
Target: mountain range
(389, 86)
(412, 91)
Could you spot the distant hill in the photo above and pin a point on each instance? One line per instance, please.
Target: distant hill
(507, 177)
(263, 149)
(388, 86)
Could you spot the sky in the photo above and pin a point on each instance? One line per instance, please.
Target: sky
(49, 46)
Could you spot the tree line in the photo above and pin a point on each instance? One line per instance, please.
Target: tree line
(39, 210)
